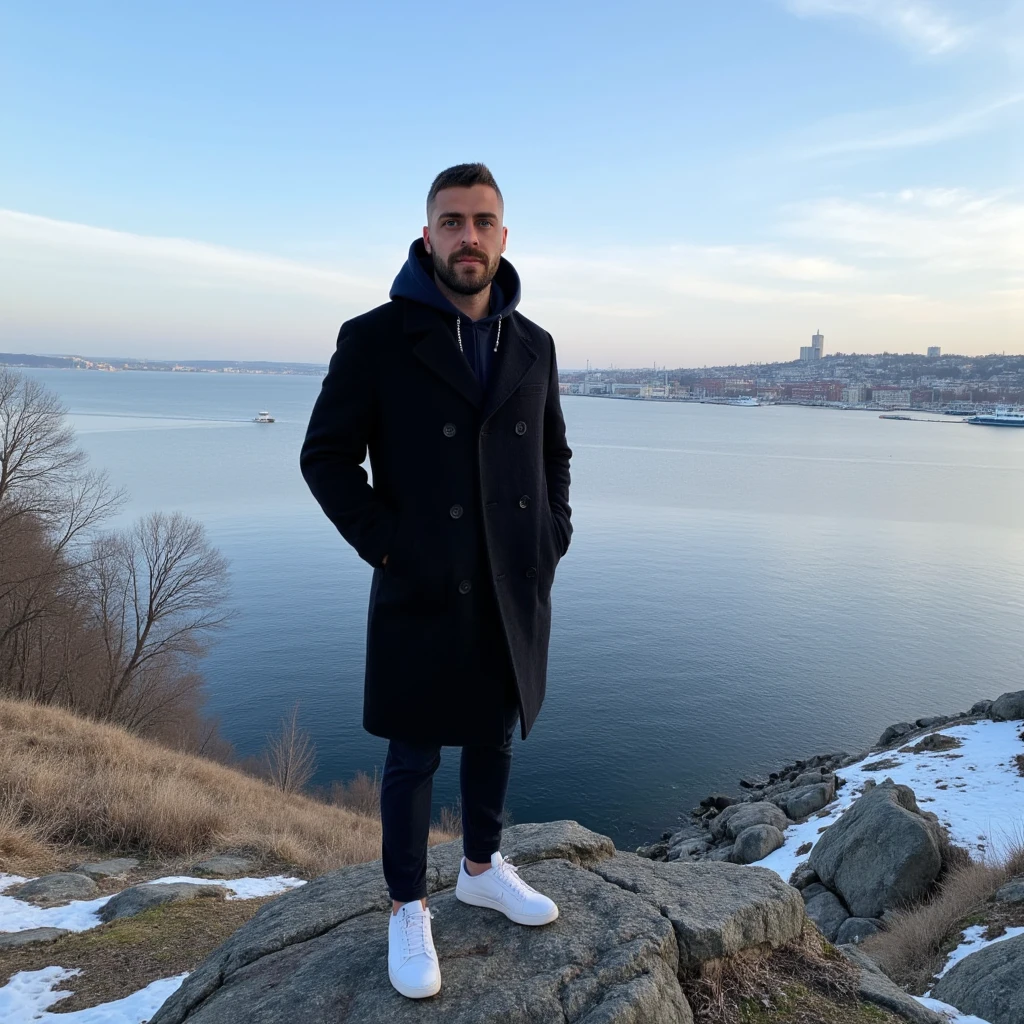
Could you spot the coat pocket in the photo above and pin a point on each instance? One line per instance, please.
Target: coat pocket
(532, 389)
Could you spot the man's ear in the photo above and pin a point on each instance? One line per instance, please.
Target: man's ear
(426, 238)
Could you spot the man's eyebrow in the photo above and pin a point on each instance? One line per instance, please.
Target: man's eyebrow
(445, 216)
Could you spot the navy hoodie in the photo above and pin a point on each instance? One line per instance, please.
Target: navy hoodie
(415, 281)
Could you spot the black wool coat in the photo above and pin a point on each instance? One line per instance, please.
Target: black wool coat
(469, 501)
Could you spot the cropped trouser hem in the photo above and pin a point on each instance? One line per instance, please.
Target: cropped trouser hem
(405, 808)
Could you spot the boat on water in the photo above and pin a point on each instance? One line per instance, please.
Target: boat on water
(894, 416)
(263, 417)
(1002, 417)
(747, 401)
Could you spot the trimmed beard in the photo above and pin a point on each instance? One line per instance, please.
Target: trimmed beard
(446, 272)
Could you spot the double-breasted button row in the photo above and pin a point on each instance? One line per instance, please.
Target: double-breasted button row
(449, 430)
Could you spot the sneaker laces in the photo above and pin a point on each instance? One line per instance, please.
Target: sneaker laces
(509, 874)
(416, 932)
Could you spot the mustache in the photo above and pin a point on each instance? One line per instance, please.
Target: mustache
(464, 253)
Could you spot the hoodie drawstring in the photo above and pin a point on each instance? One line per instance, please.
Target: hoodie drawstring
(458, 333)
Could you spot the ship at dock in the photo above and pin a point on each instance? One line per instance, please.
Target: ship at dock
(1001, 417)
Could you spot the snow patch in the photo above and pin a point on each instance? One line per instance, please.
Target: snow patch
(975, 790)
(951, 1013)
(81, 915)
(28, 996)
(973, 942)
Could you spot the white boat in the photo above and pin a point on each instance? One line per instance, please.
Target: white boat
(747, 402)
(1004, 416)
(263, 417)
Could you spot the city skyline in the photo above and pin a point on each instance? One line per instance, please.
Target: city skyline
(683, 187)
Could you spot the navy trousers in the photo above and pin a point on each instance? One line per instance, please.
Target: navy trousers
(405, 805)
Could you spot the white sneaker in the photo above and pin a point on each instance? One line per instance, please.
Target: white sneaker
(501, 888)
(412, 959)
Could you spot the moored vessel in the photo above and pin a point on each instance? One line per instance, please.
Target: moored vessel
(1001, 417)
(263, 417)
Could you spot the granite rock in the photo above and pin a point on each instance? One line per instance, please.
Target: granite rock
(988, 983)
(756, 842)
(139, 898)
(61, 887)
(108, 868)
(1008, 708)
(881, 854)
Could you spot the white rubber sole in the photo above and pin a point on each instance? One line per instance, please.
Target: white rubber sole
(529, 919)
(412, 992)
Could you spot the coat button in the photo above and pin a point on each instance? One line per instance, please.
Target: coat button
(465, 587)
(449, 430)
(531, 572)
(455, 511)
(521, 427)
(524, 501)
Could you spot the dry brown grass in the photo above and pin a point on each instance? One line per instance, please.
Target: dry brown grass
(68, 782)
(721, 988)
(912, 947)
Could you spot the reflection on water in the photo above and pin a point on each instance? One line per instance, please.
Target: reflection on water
(743, 586)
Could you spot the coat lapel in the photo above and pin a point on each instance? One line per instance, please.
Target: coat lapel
(509, 369)
(438, 350)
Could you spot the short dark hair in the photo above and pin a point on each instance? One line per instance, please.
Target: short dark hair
(462, 176)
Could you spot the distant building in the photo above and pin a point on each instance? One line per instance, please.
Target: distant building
(816, 349)
(934, 351)
(891, 398)
(854, 394)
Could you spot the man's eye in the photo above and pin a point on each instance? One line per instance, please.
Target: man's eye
(450, 222)
(485, 223)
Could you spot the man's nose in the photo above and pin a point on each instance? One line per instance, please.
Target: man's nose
(470, 236)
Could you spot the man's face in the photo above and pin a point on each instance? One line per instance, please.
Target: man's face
(465, 237)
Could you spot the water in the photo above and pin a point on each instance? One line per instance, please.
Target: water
(744, 585)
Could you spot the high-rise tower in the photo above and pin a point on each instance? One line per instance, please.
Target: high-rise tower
(818, 344)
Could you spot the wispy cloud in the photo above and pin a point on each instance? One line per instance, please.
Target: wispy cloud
(935, 259)
(188, 261)
(921, 24)
(937, 231)
(852, 137)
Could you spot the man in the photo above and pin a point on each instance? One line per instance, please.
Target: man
(455, 396)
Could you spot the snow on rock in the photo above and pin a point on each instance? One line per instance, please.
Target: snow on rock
(973, 942)
(951, 1013)
(28, 996)
(81, 915)
(975, 790)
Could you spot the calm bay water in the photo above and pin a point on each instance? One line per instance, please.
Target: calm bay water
(744, 585)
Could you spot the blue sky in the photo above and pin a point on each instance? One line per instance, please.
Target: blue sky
(686, 183)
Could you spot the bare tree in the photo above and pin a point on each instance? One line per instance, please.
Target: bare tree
(290, 757)
(159, 591)
(49, 504)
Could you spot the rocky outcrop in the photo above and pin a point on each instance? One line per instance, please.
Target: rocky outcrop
(756, 842)
(8, 940)
(854, 930)
(1012, 892)
(223, 866)
(988, 983)
(1008, 708)
(734, 820)
(108, 868)
(881, 854)
(627, 928)
(875, 987)
(140, 898)
(825, 909)
(58, 888)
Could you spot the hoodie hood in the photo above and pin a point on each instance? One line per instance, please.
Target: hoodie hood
(415, 281)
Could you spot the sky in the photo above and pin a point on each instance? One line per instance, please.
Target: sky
(685, 183)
